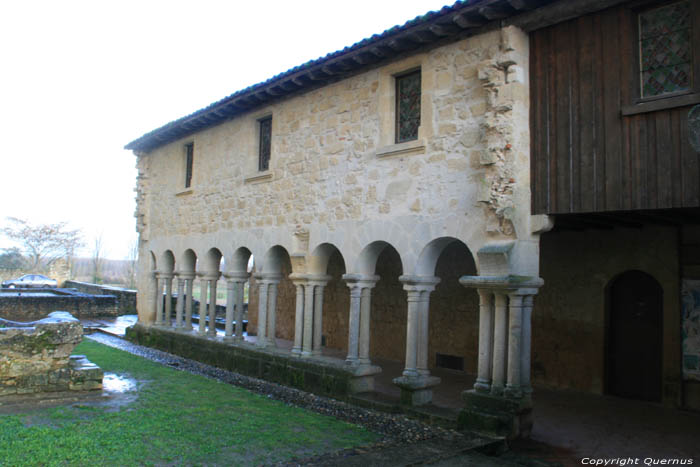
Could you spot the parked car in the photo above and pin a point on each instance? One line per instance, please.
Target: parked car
(30, 280)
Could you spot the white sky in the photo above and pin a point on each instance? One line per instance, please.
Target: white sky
(80, 79)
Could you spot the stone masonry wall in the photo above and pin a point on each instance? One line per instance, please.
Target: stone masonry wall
(32, 306)
(568, 320)
(126, 299)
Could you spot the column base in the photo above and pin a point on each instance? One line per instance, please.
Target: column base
(416, 390)
(498, 415)
(363, 378)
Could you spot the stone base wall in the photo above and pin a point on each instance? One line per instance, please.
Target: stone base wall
(35, 357)
(36, 304)
(270, 365)
(126, 298)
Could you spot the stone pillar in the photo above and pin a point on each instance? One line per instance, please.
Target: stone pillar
(212, 302)
(203, 297)
(180, 305)
(483, 380)
(365, 318)
(167, 320)
(262, 311)
(525, 350)
(189, 282)
(298, 313)
(319, 283)
(272, 312)
(159, 299)
(230, 304)
(238, 312)
(416, 382)
(153, 289)
(515, 335)
(499, 343)
(235, 283)
(307, 335)
(354, 323)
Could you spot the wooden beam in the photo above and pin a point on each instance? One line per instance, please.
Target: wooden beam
(443, 30)
(468, 21)
(524, 4)
(423, 36)
(494, 12)
(381, 51)
(561, 10)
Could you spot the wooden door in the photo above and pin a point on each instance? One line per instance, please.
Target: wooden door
(635, 337)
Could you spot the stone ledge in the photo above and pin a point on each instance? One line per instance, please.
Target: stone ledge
(259, 178)
(402, 149)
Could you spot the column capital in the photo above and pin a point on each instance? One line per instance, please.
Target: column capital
(211, 276)
(318, 279)
(268, 277)
(236, 276)
(366, 281)
(164, 275)
(185, 274)
(509, 284)
(419, 283)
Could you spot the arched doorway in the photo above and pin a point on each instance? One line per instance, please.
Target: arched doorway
(634, 343)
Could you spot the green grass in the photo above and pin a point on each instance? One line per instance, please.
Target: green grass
(177, 418)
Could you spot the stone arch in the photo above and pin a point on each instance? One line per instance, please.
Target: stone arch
(212, 260)
(240, 260)
(167, 262)
(388, 305)
(428, 258)
(188, 263)
(276, 263)
(327, 260)
(453, 327)
(274, 260)
(367, 259)
(152, 261)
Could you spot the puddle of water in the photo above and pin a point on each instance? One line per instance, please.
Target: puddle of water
(117, 383)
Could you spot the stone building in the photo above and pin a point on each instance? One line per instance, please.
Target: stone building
(389, 203)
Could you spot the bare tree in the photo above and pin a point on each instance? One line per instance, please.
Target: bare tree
(97, 258)
(43, 244)
(132, 259)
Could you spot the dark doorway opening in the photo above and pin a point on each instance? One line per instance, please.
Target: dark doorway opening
(634, 349)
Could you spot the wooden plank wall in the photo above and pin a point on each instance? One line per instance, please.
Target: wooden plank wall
(586, 156)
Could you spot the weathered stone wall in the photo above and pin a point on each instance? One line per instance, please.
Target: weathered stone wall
(569, 318)
(36, 357)
(59, 270)
(126, 299)
(33, 305)
(337, 175)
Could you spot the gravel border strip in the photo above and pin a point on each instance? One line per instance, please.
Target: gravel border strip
(395, 429)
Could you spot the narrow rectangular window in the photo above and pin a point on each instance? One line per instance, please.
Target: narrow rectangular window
(265, 143)
(665, 50)
(189, 148)
(408, 95)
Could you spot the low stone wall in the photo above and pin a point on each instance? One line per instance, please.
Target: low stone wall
(269, 364)
(36, 357)
(126, 298)
(33, 304)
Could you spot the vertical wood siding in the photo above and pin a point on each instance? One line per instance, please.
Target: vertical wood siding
(586, 156)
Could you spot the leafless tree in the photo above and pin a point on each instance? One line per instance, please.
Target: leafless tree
(132, 260)
(97, 258)
(43, 244)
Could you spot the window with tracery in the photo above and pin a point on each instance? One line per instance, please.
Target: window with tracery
(408, 96)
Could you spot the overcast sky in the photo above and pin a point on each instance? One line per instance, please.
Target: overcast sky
(80, 79)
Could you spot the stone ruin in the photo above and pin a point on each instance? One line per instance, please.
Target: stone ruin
(36, 357)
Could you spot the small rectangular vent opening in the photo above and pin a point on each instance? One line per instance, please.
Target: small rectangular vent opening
(450, 362)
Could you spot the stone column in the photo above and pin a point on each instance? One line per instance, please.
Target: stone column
(365, 317)
(354, 323)
(423, 330)
(272, 312)
(499, 343)
(203, 296)
(153, 302)
(230, 303)
(515, 334)
(525, 384)
(180, 305)
(307, 335)
(189, 282)
(483, 380)
(299, 281)
(410, 369)
(319, 283)
(159, 299)
(167, 320)
(238, 312)
(212, 303)
(262, 311)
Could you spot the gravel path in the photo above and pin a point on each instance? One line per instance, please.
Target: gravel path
(395, 430)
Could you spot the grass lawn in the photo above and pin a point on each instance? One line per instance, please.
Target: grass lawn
(177, 418)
